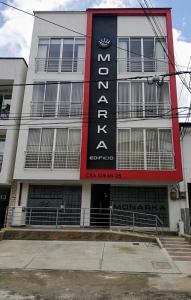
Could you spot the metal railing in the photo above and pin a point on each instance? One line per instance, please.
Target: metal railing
(142, 64)
(47, 109)
(66, 64)
(145, 161)
(52, 159)
(140, 109)
(85, 217)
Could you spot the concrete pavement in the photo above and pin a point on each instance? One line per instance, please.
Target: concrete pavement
(86, 256)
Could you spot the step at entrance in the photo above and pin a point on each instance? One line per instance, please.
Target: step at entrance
(178, 248)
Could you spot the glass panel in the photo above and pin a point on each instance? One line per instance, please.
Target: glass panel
(60, 156)
(136, 100)
(123, 158)
(160, 55)
(33, 140)
(67, 55)
(137, 140)
(150, 100)
(148, 53)
(43, 48)
(123, 55)
(79, 50)
(163, 99)
(124, 140)
(61, 139)
(135, 54)
(74, 141)
(50, 99)
(64, 99)
(2, 142)
(54, 55)
(152, 149)
(32, 154)
(166, 149)
(45, 155)
(137, 149)
(165, 139)
(76, 100)
(124, 102)
(41, 62)
(37, 99)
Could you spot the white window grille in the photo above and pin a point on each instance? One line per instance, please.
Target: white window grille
(146, 54)
(57, 99)
(138, 99)
(60, 55)
(53, 148)
(145, 149)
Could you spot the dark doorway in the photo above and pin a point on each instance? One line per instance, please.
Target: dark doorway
(4, 201)
(100, 202)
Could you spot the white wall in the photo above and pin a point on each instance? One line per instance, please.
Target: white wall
(14, 71)
(76, 21)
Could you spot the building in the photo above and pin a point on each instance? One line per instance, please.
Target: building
(185, 185)
(13, 71)
(96, 138)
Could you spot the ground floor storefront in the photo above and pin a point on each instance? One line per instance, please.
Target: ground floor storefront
(96, 205)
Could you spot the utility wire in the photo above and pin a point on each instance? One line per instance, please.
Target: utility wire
(161, 33)
(71, 30)
(48, 115)
(158, 117)
(95, 81)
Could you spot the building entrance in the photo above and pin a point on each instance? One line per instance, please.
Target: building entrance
(100, 202)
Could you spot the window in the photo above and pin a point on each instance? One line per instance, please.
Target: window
(140, 99)
(60, 55)
(145, 54)
(53, 148)
(154, 152)
(57, 99)
(5, 103)
(2, 147)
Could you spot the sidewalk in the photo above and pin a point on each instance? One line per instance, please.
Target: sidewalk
(86, 256)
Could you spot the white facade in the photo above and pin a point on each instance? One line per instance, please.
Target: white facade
(13, 71)
(49, 168)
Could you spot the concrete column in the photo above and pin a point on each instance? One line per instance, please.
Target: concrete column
(85, 205)
(12, 202)
(175, 210)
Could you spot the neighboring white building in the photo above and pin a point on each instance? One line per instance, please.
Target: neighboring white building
(105, 143)
(185, 185)
(12, 71)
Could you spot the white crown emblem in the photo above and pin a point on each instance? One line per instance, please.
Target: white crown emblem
(104, 42)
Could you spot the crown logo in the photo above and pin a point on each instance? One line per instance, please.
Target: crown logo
(104, 42)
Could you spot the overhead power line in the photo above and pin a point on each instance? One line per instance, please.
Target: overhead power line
(156, 34)
(75, 31)
(155, 79)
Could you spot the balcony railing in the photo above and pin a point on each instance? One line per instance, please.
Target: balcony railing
(145, 161)
(53, 109)
(52, 159)
(59, 65)
(138, 109)
(142, 64)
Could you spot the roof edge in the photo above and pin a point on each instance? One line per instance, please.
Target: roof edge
(15, 58)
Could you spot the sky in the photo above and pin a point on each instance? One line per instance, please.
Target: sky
(16, 27)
